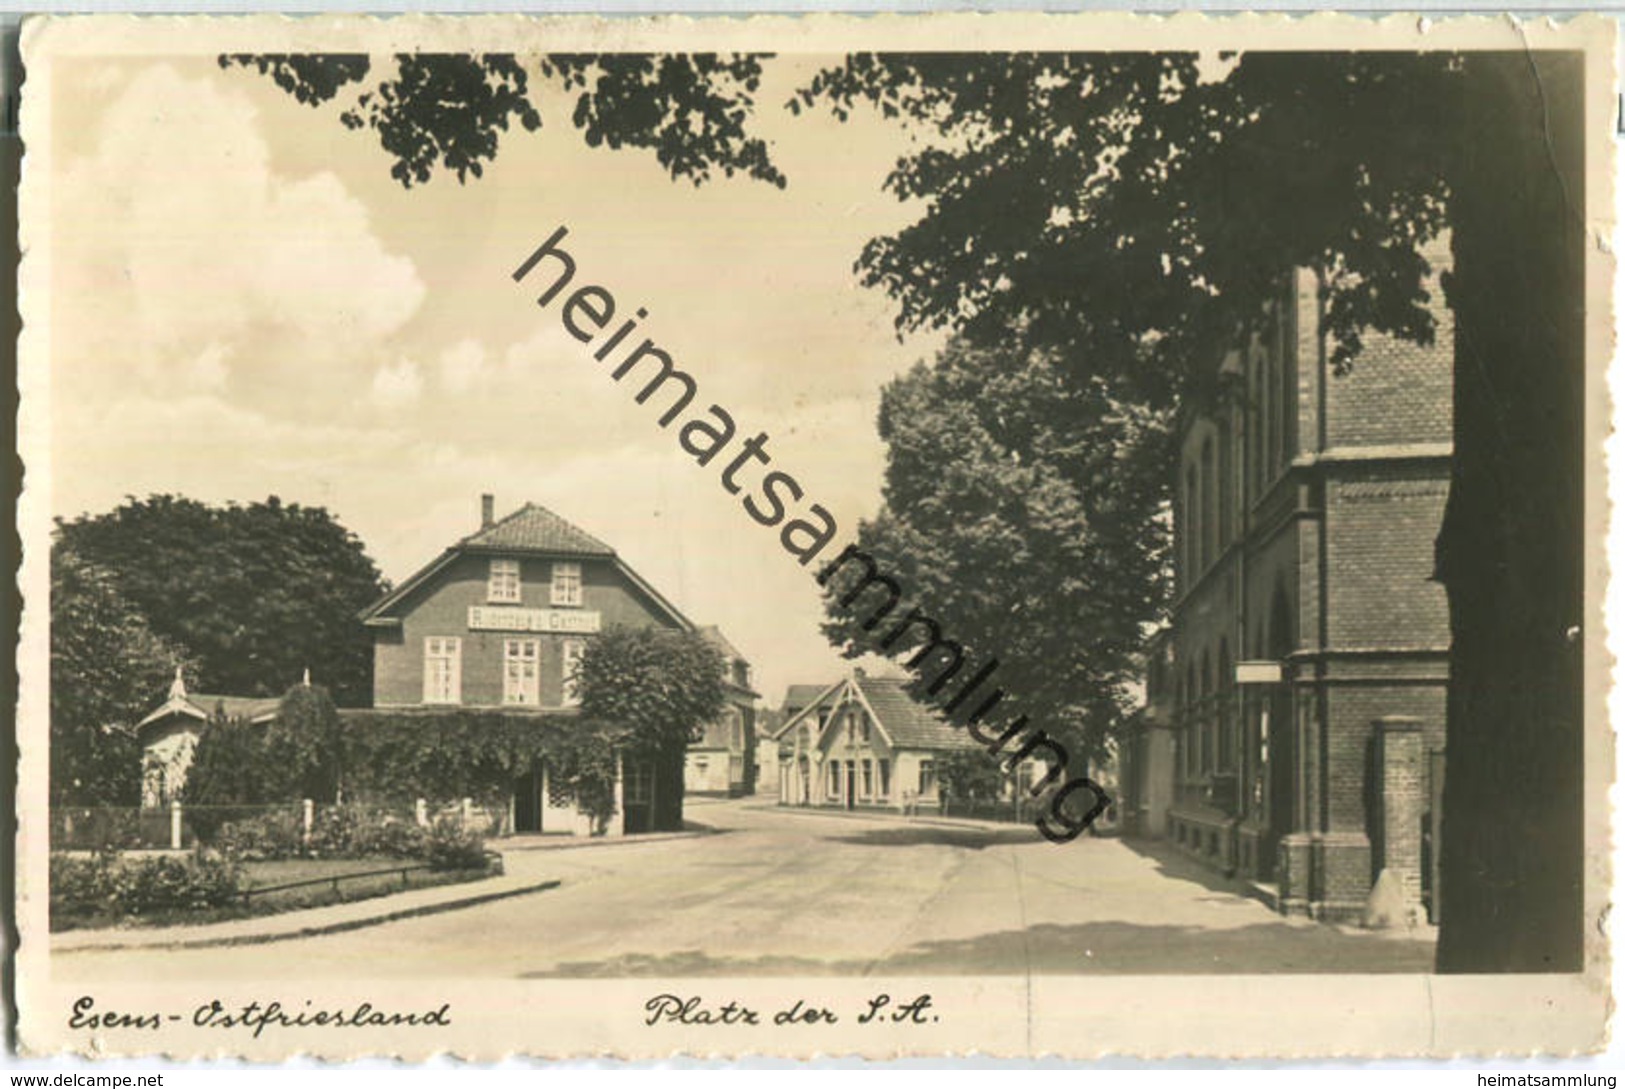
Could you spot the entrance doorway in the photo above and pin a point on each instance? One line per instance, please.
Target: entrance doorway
(851, 784)
(527, 802)
(637, 796)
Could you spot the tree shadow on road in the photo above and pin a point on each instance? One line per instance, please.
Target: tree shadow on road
(1172, 863)
(974, 839)
(1105, 948)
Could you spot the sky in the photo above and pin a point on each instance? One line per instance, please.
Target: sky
(245, 304)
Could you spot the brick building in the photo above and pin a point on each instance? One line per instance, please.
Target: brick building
(1294, 725)
(498, 621)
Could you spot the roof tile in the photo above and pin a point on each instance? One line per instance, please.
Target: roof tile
(532, 528)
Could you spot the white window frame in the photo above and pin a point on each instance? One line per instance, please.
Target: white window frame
(446, 649)
(522, 689)
(570, 652)
(564, 588)
(502, 582)
(928, 778)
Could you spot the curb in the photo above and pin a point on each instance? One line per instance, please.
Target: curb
(893, 817)
(314, 929)
(578, 843)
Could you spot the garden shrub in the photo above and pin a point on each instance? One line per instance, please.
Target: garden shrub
(108, 884)
(345, 832)
(270, 836)
(81, 886)
(166, 883)
(449, 846)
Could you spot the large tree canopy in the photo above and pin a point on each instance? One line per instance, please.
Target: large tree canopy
(1131, 211)
(1022, 511)
(108, 670)
(447, 111)
(256, 594)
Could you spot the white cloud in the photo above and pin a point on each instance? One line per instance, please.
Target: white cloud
(397, 384)
(462, 366)
(190, 250)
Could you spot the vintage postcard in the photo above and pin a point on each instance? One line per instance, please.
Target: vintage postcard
(790, 536)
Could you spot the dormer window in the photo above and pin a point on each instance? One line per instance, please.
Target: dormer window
(503, 582)
(566, 589)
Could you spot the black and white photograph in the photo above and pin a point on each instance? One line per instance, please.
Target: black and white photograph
(1032, 535)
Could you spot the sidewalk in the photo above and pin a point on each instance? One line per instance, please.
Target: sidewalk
(525, 871)
(521, 877)
(892, 816)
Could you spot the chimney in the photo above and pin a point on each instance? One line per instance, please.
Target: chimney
(488, 504)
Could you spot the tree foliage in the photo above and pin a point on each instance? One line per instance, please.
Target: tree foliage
(448, 111)
(969, 777)
(108, 669)
(256, 594)
(652, 690)
(1022, 511)
(228, 765)
(303, 746)
(1144, 206)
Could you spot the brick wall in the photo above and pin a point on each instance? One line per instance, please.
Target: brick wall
(441, 609)
(1397, 392)
(1380, 529)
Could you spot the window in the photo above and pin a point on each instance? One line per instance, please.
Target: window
(566, 589)
(503, 583)
(519, 672)
(1227, 738)
(1211, 540)
(442, 669)
(572, 652)
(885, 778)
(834, 778)
(928, 777)
(639, 786)
(863, 726)
(1189, 549)
(868, 787)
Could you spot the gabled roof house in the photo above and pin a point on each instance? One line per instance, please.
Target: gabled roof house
(864, 742)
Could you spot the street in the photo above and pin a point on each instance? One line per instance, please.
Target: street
(808, 893)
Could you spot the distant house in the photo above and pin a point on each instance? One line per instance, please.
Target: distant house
(169, 735)
(497, 622)
(863, 742)
(721, 763)
(769, 720)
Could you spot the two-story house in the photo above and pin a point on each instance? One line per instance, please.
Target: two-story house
(499, 621)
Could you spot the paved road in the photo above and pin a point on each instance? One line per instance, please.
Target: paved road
(778, 893)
